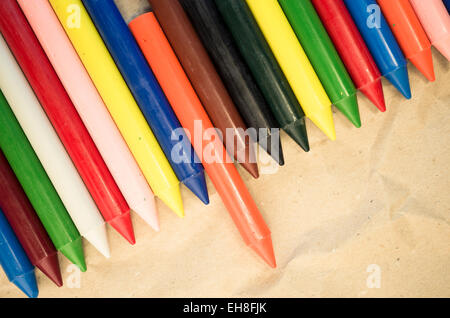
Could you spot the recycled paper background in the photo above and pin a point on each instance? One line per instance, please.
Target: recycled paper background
(377, 198)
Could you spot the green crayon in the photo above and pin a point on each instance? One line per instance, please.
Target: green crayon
(323, 56)
(265, 69)
(38, 187)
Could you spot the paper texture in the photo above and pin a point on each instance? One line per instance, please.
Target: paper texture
(369, 210)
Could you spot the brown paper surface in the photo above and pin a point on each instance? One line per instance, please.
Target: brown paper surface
(364, 216)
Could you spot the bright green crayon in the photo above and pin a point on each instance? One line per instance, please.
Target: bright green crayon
(323, 56)
(38, 187)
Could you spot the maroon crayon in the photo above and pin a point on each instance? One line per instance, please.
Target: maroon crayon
(26, 224)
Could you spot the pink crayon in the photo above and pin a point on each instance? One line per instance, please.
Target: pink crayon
(92, 110)
(436, 21)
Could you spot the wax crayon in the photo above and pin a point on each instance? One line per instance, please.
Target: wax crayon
(294, 63)
(122, 107)
(206, 81)
(436, 22)
(149, 95)
(352, 49)
(51, 152)
(194, 119)
(26, 225)
(447, 5)
(323, 56)
(64, 117)
(89, 106)
(265, 69)
(234, 73)
(410, 34)
(381, 42)
(37, 185)
(15, 262)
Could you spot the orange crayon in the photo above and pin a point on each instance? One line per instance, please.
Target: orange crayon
(190, 112)
(410, 34)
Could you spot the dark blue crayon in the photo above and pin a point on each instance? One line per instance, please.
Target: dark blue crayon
(148, 94)
(381, 42)
(447, 5)
(15, 262)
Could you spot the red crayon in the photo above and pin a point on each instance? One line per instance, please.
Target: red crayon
(64, 117)
(26, 225)
(352, 49)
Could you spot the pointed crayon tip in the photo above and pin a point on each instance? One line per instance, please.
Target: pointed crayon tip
(276, 152)
(324, 120)
(374, 92)
(349, 107)
(172, 198)
(443, 46)
(197, 184)
(399, 78)
(264, 248)
(297, 131)
(98, 238)
(50, 267)
(123, 225)
(252, 168)
(423, 61)
(148, 212)
(74, 252)
(27, 284)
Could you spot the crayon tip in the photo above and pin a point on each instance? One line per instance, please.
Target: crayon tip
(27, 284)
(277, 152)
(443, 46)
(147, 211)
(171, 196)
(98, 238)
(50, 267)
(297, 131)
(123, 225)
(74, 252)
(399, 78)
(374, 92)
(197, 184)
(252, 168)
(324, 120)
(264, 248)
(423, 61)
(349, 107)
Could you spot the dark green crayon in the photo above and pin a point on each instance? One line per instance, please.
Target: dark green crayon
(265, 69)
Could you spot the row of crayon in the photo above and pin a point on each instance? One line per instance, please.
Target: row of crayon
(90, 104)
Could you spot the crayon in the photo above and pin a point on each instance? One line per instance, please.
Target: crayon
(265, 69)
(51, 152)
(410, 34)
(381, 42)
(149, 95)
(447, 5)
(294, 63)
(15, 262)
(26, 225)
(121, 105)
(194, 119)
(63, 115)
(91, 109)
(352, 49)
(206, 81)
(436, 22)
(37, 185)
(323, 56)
(235, 74)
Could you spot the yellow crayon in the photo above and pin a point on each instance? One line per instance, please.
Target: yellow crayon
(120, 102)
(295, 64)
